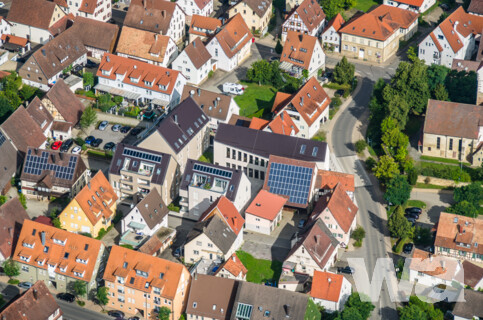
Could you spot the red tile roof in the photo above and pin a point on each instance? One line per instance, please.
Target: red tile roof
(228, 213)
(281, 100)
(258, 123)
(143, 44)
(266, 205)
(453, 229)
(234, 35)
(326, 286)
(132, 68)
(337, 22)
(401, 16)
(310, 13)
(206, 23)
(330, 179)
(234, 266)
(434, 265)
(12, 215)
(88, 6)
(283, 124)
(19, 41)
(414, 3)
(436, 42)
(298, 49)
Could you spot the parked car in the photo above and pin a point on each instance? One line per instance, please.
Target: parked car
(136, 131)
(125, 129)
(116, 314)
(96, 143)
(103, 125)
(90, 139)
(408, 248)
(412, 216)
(415, 210)
(109, 146)
(76, 150)
(347, 270)
(138, 237)
(116, 127)
(133, 318)
(25, 285)
(66, 297)
(301, 223)
(66, 145)
(177, 252)
(126, 9)
(56, 145)
(233, 88)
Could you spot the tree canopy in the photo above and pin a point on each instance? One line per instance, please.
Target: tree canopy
(80, 288)
(386, 168)
(467, 200)
(11, 268)
(419, 310)
(88, 118)
(398, 190)
(461, 86)
(398, 225)
(164, 313)
(344, 71)
(356, 309)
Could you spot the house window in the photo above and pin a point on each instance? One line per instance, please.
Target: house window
(227, 152)
(25, 268)
(450, 147)
(244, 157)
(438, 143)
(233, 154)
(256, 174)
(250, 173)
(460, 146)
(251, 159)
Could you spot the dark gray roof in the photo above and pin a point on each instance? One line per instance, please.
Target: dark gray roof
(472, 307)
(266, 143)
(152, 208)
(476, 6)
(135, 154)
(8, 161)
(233, 184)
(263, 299)
(182, 124)
(216, 230)
(12, 215)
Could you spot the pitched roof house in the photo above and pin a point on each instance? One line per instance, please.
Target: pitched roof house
(265, 212)
(330, 290)
(453, 130)
(202, 27)
(147, 46)
(48, 173)
(306, 18)
(418, 6)
(308, 107)
(63, 104)
(36, 20)
(66, 256)
(468, 305)
(256, 13)
(472, 275)
(195, 62)
(302, 52)
(163, 17)
(218, 233)
(12, 215)
(165, 282)
(218, 107)
(231, 45)
(199, 7)
(282, 124)
(41, 115)
(92, 209)
(44, 67)
(375, 35)
(183, 133)
(476, 7)
(326, 181)
(141, 81)
(10, 160)
(459, 236)
(315, 250)
(232, 268)
(331, 35)
(454, 38)
(35, 303)
(99, 10)
(147, 169)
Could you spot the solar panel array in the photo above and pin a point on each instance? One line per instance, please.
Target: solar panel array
(290, 180)
(37, 164)
(213, 171)
(2, 139)
(142, 155)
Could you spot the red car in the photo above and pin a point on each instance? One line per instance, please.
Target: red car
(56, 145)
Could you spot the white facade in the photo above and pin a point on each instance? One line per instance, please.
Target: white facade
(332, 306)
(190, 7)
(203, 247)
(306, 131)
(36, 35)
(317, 61)
(232, 109)
(260, 225)
(5, 27)
(328, 219)
(304, 263)
(295, 23)
(177, 26)
(102, 12)
(193, 75)
(331, 37)
(424, 6)
(135, 216)
(223, 61)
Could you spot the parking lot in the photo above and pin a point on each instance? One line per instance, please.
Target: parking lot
(108, 135)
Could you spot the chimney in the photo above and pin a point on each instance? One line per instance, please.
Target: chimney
(286, 307)
(146, 205)
(215, 103)
(196, 275)
(156, 37)
(108, 59)
(42, 237)
(192, 93)
(10, 231)
(175, 118)
(163, 13)
(281, 116)
(35, 294)
(199, 91)
(443, 264)
(89, 185)
(233, 258)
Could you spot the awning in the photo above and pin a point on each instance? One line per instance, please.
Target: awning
(117, 92)
(287, 66)
(136, 225)
(160, 102)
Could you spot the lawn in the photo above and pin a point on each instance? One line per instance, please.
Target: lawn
(312, 312)
(444, 160)
(416, 203)
(365, 5)
(260, 270)
(206, 157)
(422, 185)
(320, 136)
(256, 101)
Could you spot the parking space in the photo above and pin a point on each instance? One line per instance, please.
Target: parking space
(108, 135)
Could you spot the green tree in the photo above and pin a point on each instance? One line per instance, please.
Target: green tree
(436, 75)
(88, 118)
(396, 143)
(23, 200)
(417, 309)
(278, 47)
(358, 234)
(440, 93)
(27, 92)
(54, 216)
(365, 308)
(260, 72)
(461, 86)
(422, 236)
(386, 168)
(305, 73)
(412, 53)
(80, 288)
(398, 190)
(398, 225)
(473, 193)
(396, 106)
(412, 176)
(88, 79)
(118, 100)
(104, 102)
(344, 71)
(464, 208)
(350, 313)
(102, 296)
(277, 79)
(5, 109)
(3, 199)
(11, 268)
(164, 313)
(331, 8)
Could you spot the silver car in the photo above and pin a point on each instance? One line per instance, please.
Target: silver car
(103, 125)
(116, 127)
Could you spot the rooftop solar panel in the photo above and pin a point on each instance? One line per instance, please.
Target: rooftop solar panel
(142, 155)
(213, 171)
(290, 180)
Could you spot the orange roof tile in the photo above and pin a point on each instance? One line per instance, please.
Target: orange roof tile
(75, 246)
(436, 42)
(433, 265)
(258, 123)
(283, 124)
(205, 23)
(281, 100)
(134, 68)
(234, 266)
(266, 205)
(330, 179)
(161, 273)
(227, 211)
(452, 227)
(97, 198)
(336, 22)
(401, 16)
(298, 49)
(19, 41)
(326, 286)
(234, 35)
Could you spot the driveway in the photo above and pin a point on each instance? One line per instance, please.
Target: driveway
(436, 202)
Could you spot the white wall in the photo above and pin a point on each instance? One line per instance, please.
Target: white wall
(193, 75)
(33, 34)
(190, 8)
(331, 36)
(135, 215)
(331, 306)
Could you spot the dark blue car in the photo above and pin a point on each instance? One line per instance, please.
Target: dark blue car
(90, 139)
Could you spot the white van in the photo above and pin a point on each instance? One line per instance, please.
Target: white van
(233, 88)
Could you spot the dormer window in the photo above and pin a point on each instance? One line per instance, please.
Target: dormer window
(61, 242)
(29, 245)
(134, 80)
(147, 83)
(142, 273)
(79, 274)
(41, 262)
(63, 269)
(156, 290)
(106, 72)
(146, 285)
(161, 87)
(26, 259)
(82, 261)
